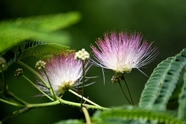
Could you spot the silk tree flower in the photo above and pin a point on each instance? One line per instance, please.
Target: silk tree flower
(121, 52)
(63, 71)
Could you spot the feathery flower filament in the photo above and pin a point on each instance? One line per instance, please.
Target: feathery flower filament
(121, 52)
(63, 71)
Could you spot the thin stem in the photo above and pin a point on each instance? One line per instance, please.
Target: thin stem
(13, 114)
(124, 92)
(3, 83)
(27, 108)
(82, 81)
(33, 71)
(11, 103)
(80, 96)
(37, 88)
(61, 101)
(87, 116)
(16, 98)
(51, 88)
(79, 104)
(40, 105)
(128, 89)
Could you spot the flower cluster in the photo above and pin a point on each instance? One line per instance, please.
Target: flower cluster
(18, 72)
(40, 64)
(122, 52)
(82, 54)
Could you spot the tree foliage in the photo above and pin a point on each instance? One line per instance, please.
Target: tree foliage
(155, 98)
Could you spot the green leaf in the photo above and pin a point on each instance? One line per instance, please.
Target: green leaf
(48, 22)
(153, 85)
(43, 50)
(162, 82)
(71, 121)
(170, 81)
(130, 114)
(14, 35)
(182, 98)
(36, 28)
(32, 48)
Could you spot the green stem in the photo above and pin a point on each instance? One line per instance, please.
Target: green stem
(87, 116)
(3, 86)
(59, 101)
(79, 104)
(33, 71)
(40, 105)
(128, 89)
(82, 81)
(37, 88)
(27, 108)
(13, 114)
(11, 103)
(80, 96)
(16, 98)
(51, 88)
(124, 92)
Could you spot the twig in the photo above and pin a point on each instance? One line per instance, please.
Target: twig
(87, 116)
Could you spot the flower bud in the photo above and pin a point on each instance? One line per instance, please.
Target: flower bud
(18, 72)
(40, 64)
(82, 55)
(2, 62)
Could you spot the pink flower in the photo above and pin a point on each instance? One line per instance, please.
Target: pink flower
(64, 72)
(121, 52)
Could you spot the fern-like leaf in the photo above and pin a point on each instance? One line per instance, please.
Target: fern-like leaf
(162, 83)
(129, 114)
(32, 48)
(40, 49)
(153, 85)
(182, 97)
(170, 80)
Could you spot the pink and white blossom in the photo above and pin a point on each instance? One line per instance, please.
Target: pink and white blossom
(121, 52)
(64, 72)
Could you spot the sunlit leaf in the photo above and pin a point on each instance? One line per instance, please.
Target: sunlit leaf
(37, 28)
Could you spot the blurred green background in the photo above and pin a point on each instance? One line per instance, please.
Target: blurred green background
(163, 22)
